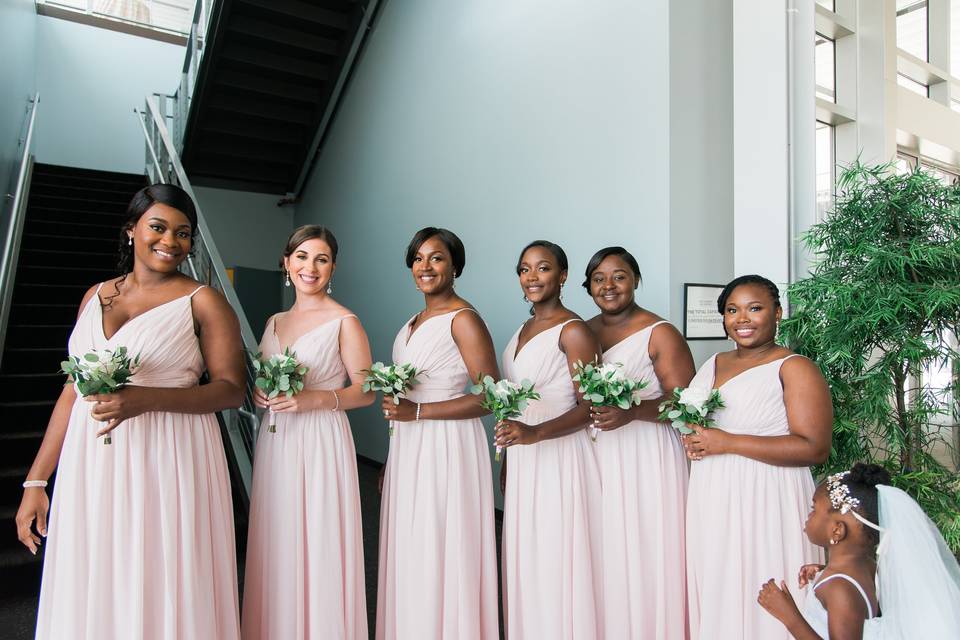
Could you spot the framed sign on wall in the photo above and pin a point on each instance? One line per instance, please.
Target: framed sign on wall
(701, 321)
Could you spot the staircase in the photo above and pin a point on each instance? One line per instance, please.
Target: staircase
(70, 237)
(269, 80)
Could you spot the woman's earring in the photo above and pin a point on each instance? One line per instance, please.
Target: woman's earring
(832, 541)
(329, 287)
(129, 241)
(525, 298)
(561, 289)
(286, 278)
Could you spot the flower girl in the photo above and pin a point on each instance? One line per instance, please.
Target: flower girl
(857, 513)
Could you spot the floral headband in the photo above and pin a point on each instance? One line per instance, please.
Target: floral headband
(842, 501)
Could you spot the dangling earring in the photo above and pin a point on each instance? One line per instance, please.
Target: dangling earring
(129, 241)
(561, 289)
(286, 278)
(525, 298)
(329, 287)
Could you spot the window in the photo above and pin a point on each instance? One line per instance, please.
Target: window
(955, 48)
(912, 27)
(913, 85)
(823, 51)
(827, 4)
(946, 177)
(825, 159)
(165, 15)
(905, 163)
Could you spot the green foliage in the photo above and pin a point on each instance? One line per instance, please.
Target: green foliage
(393, 380)
(503, 398)
(280, 373)
(693, 405)
(100, 371)
(883, 295)
(606, 385)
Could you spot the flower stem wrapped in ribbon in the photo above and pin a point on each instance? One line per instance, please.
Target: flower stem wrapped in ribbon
(280, 373)
(693, 405)
(101, 372)
(504, 399)
(393, 380)
(605, 385)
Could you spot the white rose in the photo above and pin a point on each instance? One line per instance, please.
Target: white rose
(694, 397)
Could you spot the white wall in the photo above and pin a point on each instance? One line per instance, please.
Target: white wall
(90, 79)
(506, 122)
(250, 230)
(701, 153)
(18, 27)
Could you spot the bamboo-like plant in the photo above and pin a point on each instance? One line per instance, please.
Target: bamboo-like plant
(876, 312)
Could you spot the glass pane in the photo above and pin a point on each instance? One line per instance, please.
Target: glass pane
(73, 4)
(913, 85)
(912, 27)
(829, 4)
(823, 49)
(171, 15)
(825, 165)
(946, 177)
(905, 164)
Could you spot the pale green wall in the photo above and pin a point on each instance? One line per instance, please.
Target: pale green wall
(90, 79)
(18, 34)
(505, 122)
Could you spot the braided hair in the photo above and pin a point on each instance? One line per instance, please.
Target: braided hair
(748, 279)
(168, 194)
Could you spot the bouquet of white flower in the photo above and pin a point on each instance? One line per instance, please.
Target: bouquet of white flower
(394, 380)
(693, 405)
(100, 372)
(605, 385)
(280, 373)
(503, 398)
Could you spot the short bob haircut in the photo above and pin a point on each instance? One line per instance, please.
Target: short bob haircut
(558, 253)
(310, 232)
(605, 253)
(450, 241)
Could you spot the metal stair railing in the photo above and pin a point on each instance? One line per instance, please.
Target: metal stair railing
(13, 233)
(205, 265)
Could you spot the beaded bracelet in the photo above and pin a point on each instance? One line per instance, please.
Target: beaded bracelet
(34, 483)
(418, 412)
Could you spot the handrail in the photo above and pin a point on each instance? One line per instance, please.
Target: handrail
(163, 165)
(11, 245)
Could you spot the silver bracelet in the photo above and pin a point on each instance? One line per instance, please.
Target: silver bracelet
(337, 398)
(418, 412)
(34, 483)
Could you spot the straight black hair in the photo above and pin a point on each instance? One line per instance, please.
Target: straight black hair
(555, 249)
(448, 238)
(602, 255)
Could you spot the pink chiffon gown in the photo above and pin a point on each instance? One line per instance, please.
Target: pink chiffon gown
(551, 510)
(644, 471)
(745, 518)
(304, 571)
(141, 540)
(438, 565)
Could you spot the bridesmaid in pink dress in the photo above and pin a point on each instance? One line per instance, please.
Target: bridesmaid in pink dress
(141, 539)
(750, 481)
(438, 572)
(642, 462)
(304, 571)
(552, 500)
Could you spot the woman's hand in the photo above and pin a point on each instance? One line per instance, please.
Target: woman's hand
(33, 506)
(511, 432)
(609, 418)
(705, 442)
(778, 601)
(405, 411)
(114, 408)
(808, 572)
(303, 401)
(260, 398)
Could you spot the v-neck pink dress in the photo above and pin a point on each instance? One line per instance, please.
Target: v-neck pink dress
(438, 560)
(304, 575)
(644, 472)
(552, 561)
(141, 540)
(745, 518)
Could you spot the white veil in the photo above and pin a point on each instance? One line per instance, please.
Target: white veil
(918, 579)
